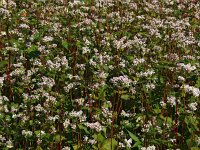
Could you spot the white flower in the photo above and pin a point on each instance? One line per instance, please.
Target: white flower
(162, 103)
(190, 68)
(147, 127)
(66, 148)
(25, 26)
(150, 86)
(82, 118)
(39, 108)
(159, 129)
(27, 133)
(85, 50)
(9, 144)
(76, 113)
(149, 148)
(103, 75)
(187, 67)
(138, 61)
(85, 138)
(172, 140)
(66, 123)
(121, 145)
(195, 92)
(40, 133)
(123, 113)
(180, 78)
(68, 87)
(121, 79)
(193, 106)
(145, 74)
(39, 141)
(47, 39)
(2, 138)
(198, 140)
(191, 89)
(5, 98)
(64, 62)
(6, 108)
(92, 141)
(128, 142)
(1, 80)
(73, 126)
(171, 100)
(97, 126)
(80, 101)
(49, 82)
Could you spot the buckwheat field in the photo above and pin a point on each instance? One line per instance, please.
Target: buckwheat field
(99, 74)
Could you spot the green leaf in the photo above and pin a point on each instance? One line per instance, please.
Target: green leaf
(58, 138)
(38, 148)
(37, 35)
(75, 147)
(107, 144)
(137, 144)
(168, 119)
(125, 97)
(195, 148)
(99, 137)
(3, 63)
(78, 44)
(31, 49)
(105, 67)
(198, 83)
(104, 131)
(83, 128)
(187, 51)
(133, 136)
(101, 94)
(192, 123)
(65, 44)
(1, 115)
(161, 80)
(31, 122)
(8, 118)
(157, 110)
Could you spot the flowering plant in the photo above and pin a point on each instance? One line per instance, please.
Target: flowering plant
(99, 74)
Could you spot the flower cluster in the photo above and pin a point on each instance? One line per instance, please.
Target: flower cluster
(99, 74)
(191, 89)
(124, 80)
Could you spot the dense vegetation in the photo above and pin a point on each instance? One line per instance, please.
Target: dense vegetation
(99, 74)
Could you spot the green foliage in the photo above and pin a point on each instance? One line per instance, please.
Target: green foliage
(102, 75)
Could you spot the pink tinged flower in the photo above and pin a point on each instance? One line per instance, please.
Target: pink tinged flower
(191, 89)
